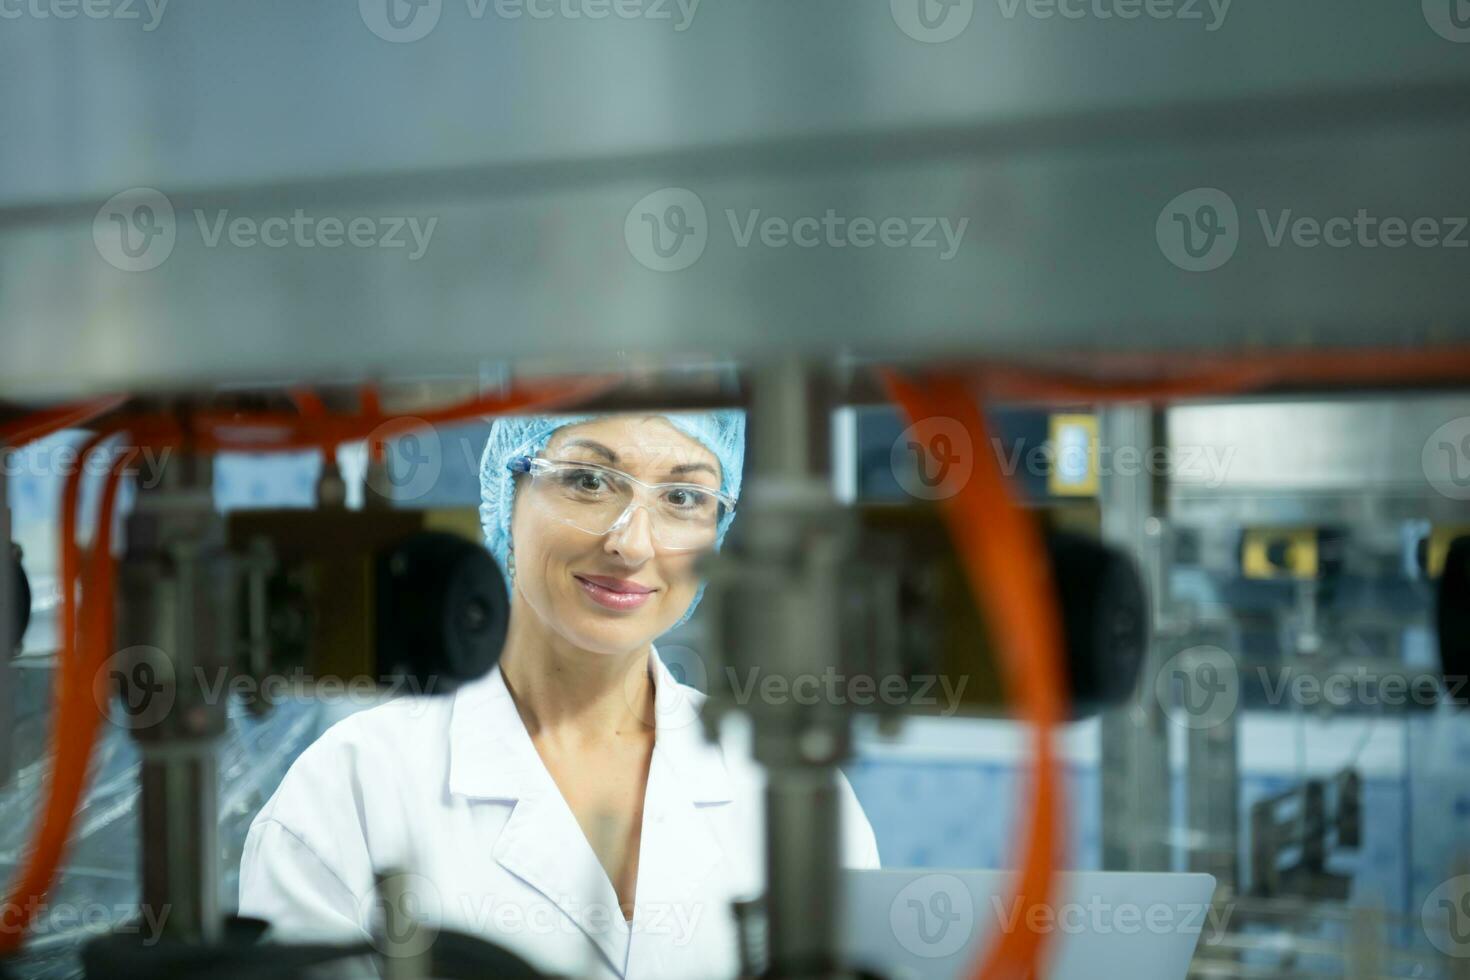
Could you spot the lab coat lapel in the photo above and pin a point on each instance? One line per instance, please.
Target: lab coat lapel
(678, 848)
(492, 757)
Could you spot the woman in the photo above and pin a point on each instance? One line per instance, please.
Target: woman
(567, 805)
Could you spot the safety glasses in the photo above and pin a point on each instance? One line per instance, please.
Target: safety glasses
(599, 499)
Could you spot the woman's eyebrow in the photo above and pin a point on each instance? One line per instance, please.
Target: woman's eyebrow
(684, 469)
(596, 447)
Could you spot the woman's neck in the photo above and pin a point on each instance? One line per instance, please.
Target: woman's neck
(565, 693)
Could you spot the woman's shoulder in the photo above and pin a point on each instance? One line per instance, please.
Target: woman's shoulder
(369, 753)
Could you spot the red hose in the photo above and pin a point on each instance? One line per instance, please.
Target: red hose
(1002, 553)
(78, 713)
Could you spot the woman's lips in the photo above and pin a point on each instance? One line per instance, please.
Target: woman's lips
(612, 598)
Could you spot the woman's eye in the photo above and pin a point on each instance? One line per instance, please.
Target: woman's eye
(688, 499)
(589, 480)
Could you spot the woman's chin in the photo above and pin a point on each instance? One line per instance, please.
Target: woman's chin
(609, 634)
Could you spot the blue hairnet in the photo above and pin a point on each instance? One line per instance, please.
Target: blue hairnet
(721, 432)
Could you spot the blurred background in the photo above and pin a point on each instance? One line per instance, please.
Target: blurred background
(1237, 231)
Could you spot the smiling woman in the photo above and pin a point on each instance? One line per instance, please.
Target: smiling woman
(571, 792)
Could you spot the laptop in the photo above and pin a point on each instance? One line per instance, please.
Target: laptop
(927, 924)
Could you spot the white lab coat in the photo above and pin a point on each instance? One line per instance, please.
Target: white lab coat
(452, 790)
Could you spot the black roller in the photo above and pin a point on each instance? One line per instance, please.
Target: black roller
(19, 599)
(1105, 620)
(442, 611)
(1452, 617)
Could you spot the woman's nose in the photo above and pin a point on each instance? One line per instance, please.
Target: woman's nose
(632, 535)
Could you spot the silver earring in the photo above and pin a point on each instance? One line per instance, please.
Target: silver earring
(510, 561)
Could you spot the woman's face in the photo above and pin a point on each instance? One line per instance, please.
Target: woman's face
(557, 566)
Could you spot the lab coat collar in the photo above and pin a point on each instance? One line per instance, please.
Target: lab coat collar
(486, 735)
(492, 758)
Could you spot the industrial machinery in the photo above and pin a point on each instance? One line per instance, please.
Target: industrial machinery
(1209, 257)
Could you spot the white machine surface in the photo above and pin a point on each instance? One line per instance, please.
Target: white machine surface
(918, 924)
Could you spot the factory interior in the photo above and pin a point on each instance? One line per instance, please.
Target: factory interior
(1077, 392)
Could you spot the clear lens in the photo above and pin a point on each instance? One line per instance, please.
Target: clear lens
(595, 499)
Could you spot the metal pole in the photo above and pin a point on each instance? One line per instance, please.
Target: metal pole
(1135, 737)
(9, 616)
(782, 590)
(174, 638)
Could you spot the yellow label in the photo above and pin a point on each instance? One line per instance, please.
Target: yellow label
(1280, 553)
(1074, 460)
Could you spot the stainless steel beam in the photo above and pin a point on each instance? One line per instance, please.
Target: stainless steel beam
(1136, 812)
(1063, 140)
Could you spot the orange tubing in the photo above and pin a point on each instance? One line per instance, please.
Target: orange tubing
(82, 689)
(40, 424)
(1003, 557)
(1156, 377)
(78, 712)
